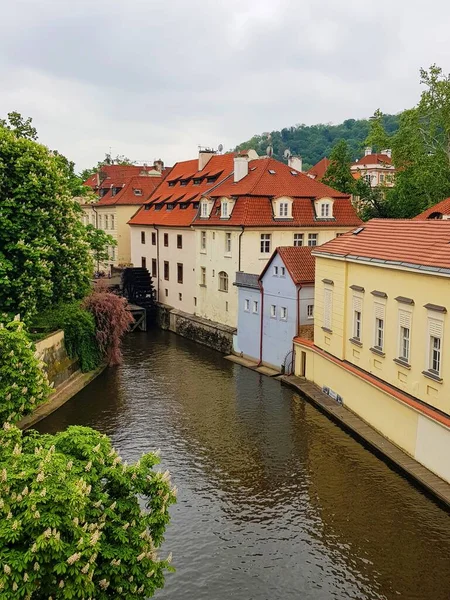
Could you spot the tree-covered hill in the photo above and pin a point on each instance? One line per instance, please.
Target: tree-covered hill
(313, 142)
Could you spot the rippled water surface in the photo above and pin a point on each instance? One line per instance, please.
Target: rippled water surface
(275, 501)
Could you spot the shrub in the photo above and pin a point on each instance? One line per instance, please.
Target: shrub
(79, 332)
(71, 518)
(23, 382)
(112, 320)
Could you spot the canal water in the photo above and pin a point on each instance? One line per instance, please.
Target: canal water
(275, 501)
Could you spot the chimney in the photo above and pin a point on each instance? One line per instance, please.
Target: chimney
(367, 150)
(158, 165)
(388, 152)
(240, 167)
(295, 162)
(203, 157)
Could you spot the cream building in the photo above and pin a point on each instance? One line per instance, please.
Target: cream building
(376, 168)
(380, 325)
(121, 190)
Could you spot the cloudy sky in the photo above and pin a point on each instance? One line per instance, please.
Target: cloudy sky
(152, 79)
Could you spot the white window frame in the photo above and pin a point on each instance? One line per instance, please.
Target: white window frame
(106, 222)
(404, 323)
(223, 281)
(283, 210)
(255, 307)
(227, 242)
(203, 276)
(224, 210)
(379, 325)
(435, 330)
(265, 243)
(113, 223)
(299, 239)
(203, 241)
(310, 311)
(325, 210)
(313, 237)
(357, 308)
(247, 305)
(204, 210)
(283, 271)
(283, 313)
(275, 271)
(328, 308)
(273, 311)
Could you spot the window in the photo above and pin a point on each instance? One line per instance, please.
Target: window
(170, 206)
(247, 305)
(273, 311)
(203, 240)
(183, 182)
(226, 306)
(180, 296)
(223, 281)
(227, 243)
(224, 209)
(275, 271)
(283, 209)
(283, 313)
(379, 326)
(298, 239)
(137, 192)
(211, 179)
(166, 270)
(312, 239)
(106, 221)
(153, 267)
(283, 271)
(327, 308)
(255, 306)
(195, 301)
(197, 181)
(166, 239)
(381, 177)
(203, 276)
(310, 311)
(179, 272)
(143, 262)
(325, 210)
(179, 241)
(166, 292)
(142, 237)
(204, 209)
(435, 334)
(113, 253)
(357, 317)
(404, 321)
(153, 239)
(265, 243)
(99, 219)
(113, 225)
(435, 355)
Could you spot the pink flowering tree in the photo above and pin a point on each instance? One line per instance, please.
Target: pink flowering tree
(76, 522)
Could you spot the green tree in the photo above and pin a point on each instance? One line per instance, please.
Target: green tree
(378, 138)
(119, 159)
(19, 126)
(76, 522)
(338, 175)
(44, 250)
(99, 241)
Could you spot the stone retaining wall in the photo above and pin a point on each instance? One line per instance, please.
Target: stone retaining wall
(53, 352)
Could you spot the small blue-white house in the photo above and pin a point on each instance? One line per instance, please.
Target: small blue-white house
(273, 306)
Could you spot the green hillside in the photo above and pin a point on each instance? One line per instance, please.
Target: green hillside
(313, 142)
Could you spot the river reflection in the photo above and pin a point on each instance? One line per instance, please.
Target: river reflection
(275, 501)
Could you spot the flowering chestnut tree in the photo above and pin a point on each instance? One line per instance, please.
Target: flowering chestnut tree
(23, 380)
(76, 522)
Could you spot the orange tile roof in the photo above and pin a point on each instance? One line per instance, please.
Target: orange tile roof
(438, 210)
(319, 169)
(299, 262)
(373, 159)
(423, 245)
(127, 195)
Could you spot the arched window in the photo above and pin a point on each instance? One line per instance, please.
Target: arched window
(223, 281)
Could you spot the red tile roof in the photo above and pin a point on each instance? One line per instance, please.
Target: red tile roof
(116, 173)
(373, 159)
(299, 262)
(319, 169)
(402, 242)
(147, 185)
(436, 211)
(253, 207)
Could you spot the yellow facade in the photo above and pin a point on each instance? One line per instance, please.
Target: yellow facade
(374, 381)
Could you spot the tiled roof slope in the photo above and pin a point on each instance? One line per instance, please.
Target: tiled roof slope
(220, 165)
(442, 208)
(319, 169)
(127, 195)
(114, 174)
(299, 262)
(420, 244)
(373, 159)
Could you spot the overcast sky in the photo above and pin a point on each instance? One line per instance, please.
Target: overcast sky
(152, 79)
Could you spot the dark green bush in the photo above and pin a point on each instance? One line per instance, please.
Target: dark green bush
(79, 332)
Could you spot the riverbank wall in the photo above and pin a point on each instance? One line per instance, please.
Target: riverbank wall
(208, 333)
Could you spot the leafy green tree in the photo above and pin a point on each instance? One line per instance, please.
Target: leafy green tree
(23, 381)
(76, 522)
(19, 126)
(370, 202)
(44, 250)
(338, 174)
(378, 138)
(119, 159)
(99, 241)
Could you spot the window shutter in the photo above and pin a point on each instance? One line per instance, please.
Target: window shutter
(404, 319)
(327, 307)
(357, 304)
(379, 311)
(435, 328)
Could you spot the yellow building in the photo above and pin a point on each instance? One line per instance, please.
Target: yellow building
(380, 328)
(121, 191)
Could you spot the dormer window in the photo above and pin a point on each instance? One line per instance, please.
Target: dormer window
(204, 210)
(197, 181)
(283, 208)
(172, 183)
(169, 206)
(224, 210)
(325, 210)
(212, 179)
(137, 192)
(183, 182)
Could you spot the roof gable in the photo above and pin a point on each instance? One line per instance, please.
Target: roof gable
(298, 260)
